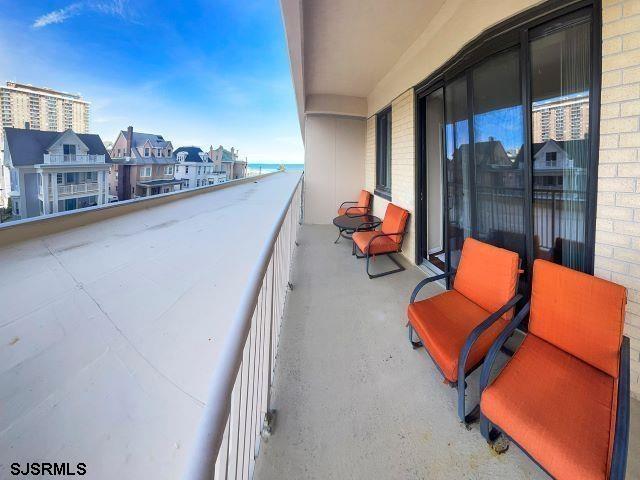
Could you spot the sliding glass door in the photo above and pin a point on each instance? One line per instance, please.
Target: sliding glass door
(518, 151)
(433, 200)
(560, 86)
(458, 168)
(498, 140)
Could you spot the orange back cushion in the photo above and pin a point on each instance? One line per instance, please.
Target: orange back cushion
(487, 275)
(395, 219)
(578, 313)
(364, 198)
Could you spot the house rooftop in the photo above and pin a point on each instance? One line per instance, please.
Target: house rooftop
(27, 146)
(193, 154)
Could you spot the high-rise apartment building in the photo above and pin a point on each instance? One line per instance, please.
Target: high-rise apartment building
(26, 106)
(561, 118)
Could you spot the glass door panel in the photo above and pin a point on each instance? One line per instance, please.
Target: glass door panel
(457, 167)
(434, 130)
(560, 87)
(498, 136)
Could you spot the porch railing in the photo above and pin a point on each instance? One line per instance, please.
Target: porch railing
(72, 158)
(556, 213)
(237, 409)
(74, 188)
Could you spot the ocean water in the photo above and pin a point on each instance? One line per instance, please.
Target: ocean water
(257, 168)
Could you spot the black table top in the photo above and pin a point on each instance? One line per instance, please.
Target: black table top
(346, 222)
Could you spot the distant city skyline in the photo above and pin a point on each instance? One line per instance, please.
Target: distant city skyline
(219, 76)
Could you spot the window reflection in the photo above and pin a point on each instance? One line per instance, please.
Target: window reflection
(458, 181)
(560, 64)
(498, 142)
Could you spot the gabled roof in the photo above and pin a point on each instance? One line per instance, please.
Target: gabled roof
(193, 154)
(27, 146)
(139, 139)
(227, 156)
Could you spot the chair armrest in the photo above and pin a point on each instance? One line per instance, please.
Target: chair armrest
(621, 439)
(476, 332)
(427, 280)
(366, 225)
(358, 209)
(380, 235)
(345, 203)
(495, 348)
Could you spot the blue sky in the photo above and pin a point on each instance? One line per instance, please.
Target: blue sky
(199, 73)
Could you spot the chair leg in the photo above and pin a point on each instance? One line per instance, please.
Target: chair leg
(472, 417)
(339, 235)
(415, 345)
(376, 275)
(485, 428)
(491, 434)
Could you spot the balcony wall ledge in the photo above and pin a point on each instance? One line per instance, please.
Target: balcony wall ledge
(28, 228)
(111, 332)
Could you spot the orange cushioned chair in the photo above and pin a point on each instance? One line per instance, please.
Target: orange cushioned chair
(386, 241)
(361, 207)
(457, 327)
(564, 396)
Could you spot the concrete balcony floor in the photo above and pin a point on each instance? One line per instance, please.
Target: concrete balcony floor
(354, 400)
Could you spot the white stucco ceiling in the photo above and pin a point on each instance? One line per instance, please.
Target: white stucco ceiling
(349, 45)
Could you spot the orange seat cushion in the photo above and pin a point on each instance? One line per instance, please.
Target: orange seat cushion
(555, 406)
(444, 322)
(395, 221)
(352, 211)
(565, 302)
(487, 275)
(378, 247)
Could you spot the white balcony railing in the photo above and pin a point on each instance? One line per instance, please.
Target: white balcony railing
(237, 411)
(73, 189)
(72, 159)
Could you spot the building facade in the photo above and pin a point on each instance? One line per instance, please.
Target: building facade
(196, 169)
(26, 106)
(556, 83)
(53, 172)
(229, 161)
(143, 165)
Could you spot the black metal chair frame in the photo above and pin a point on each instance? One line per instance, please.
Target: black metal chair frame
(366, 226)
(461, 383)
(368, 211)
(490, 431)
(356, 209)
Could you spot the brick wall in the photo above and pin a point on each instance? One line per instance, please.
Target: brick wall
(618, 214)
(402, 165)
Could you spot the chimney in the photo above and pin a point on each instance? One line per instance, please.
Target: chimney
(127, 149)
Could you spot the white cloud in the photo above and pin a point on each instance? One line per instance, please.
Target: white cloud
(115, 8)
(58, 16)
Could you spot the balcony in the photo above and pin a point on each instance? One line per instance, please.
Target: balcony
(177, 352)
(354, 400)
(76, 188)
(61, 159)
(73, 189)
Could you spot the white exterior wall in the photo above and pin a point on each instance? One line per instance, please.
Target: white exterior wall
(193, 176)
(334, 164)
